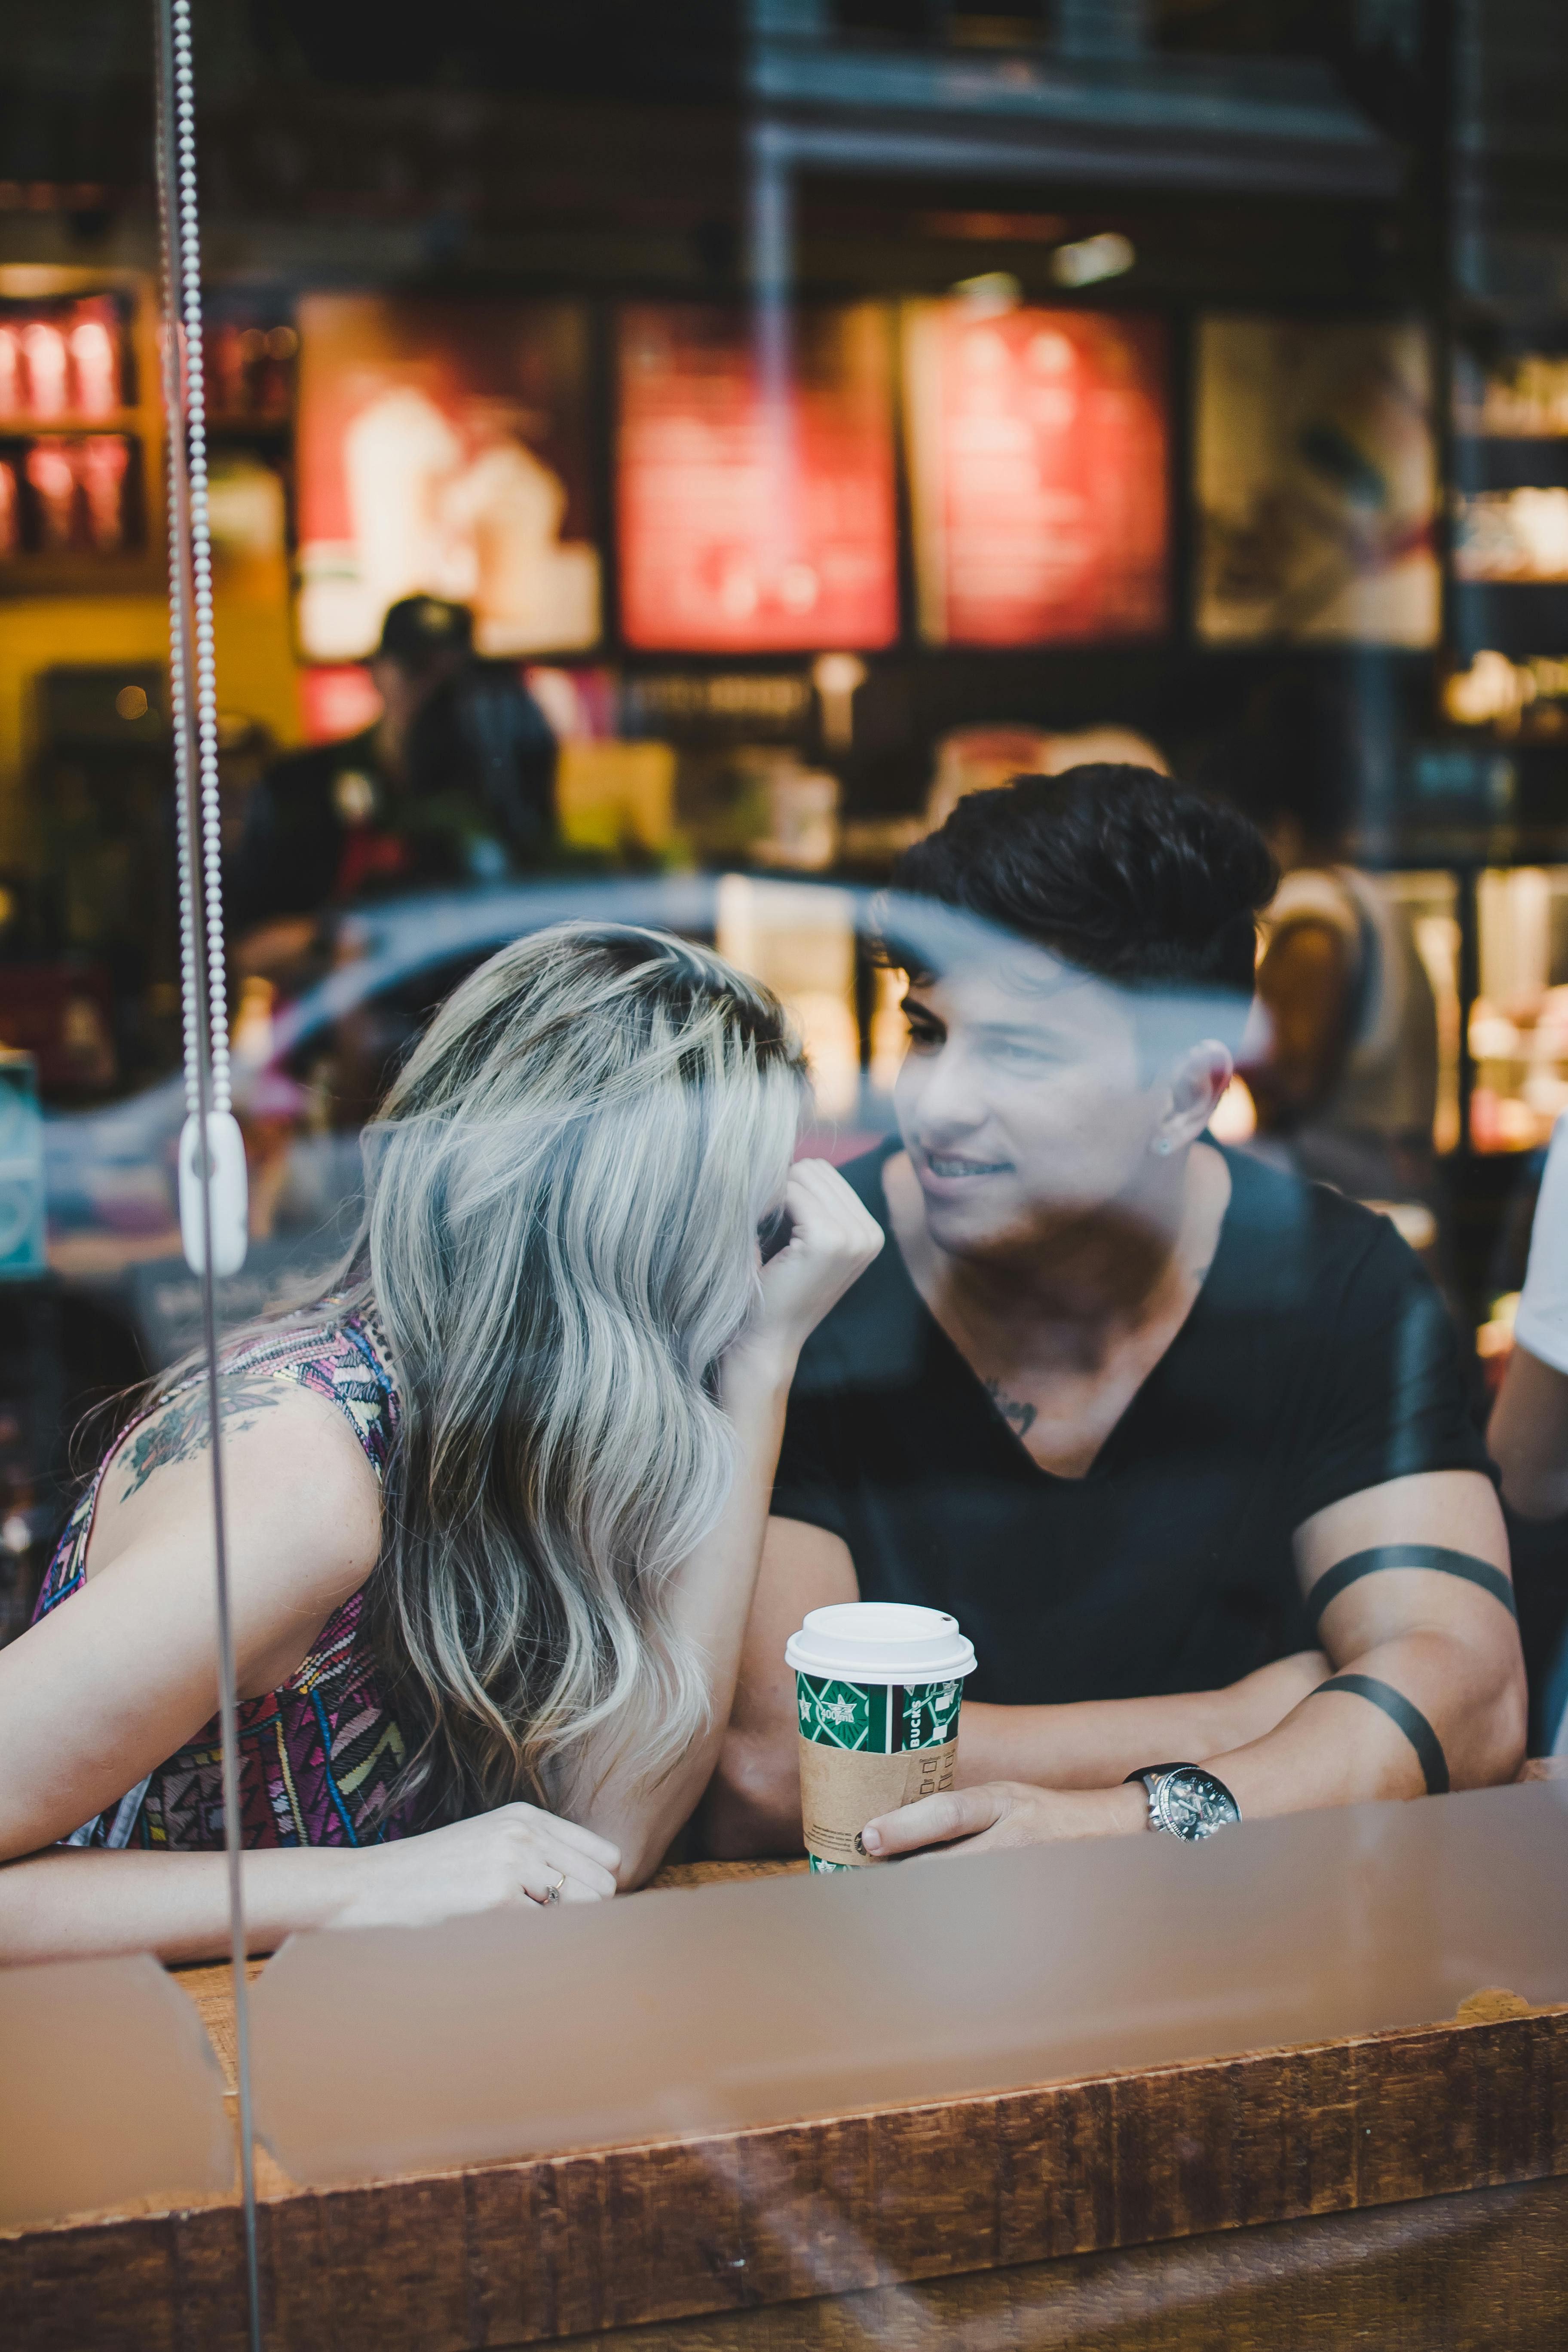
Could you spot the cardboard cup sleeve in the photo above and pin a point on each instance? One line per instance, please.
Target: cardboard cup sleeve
(842, 1789)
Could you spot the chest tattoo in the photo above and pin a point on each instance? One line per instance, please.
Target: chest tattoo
(1018, 1416)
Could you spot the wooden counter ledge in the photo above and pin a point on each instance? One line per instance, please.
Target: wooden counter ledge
(1403, 2191)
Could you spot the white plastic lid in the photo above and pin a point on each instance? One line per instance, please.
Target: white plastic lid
(879, 1642)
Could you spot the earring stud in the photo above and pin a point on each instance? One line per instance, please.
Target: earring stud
(1162, 1145)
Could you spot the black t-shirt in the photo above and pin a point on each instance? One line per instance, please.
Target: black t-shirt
(1317, 1360)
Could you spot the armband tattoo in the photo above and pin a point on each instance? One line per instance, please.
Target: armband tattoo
(1334, 1581)
(1411, 1721)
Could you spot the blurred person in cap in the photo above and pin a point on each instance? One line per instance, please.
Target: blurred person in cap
(1345, 1077)
(455, 781)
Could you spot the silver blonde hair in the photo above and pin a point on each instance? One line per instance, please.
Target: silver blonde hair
(565, 1186)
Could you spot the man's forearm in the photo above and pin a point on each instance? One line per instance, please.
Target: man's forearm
(1096, 1743)
(1432, 1711)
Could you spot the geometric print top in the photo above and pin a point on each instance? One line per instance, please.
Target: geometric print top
(318, 1755)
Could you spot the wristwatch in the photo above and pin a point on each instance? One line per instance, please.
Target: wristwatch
(1186, 1801)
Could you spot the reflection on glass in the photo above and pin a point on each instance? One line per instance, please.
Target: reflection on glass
(668, 485)
(822, 1996)
(801, 944)
(113, 2091)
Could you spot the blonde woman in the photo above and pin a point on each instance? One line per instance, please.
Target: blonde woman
(495, 1506)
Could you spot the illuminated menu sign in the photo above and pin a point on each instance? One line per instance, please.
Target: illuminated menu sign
(1315, 471)
(443, 450)
(1038, 448)
(756, 519)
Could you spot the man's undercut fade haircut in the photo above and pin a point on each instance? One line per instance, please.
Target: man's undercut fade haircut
(1114, 869)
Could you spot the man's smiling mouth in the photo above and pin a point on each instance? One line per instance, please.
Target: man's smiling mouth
(945, 1165)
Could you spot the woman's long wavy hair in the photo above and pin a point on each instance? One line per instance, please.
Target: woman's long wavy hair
(564, 1191)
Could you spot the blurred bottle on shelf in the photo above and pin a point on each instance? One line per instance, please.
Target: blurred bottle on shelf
(10, 372)
(44, 351)
(95, 368)
(275, 391)
(62, 363)
(101, 462)
(52, 479)
(253, 371)
(227, 362)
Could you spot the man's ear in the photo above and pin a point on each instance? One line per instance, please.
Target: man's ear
(1197, 1082)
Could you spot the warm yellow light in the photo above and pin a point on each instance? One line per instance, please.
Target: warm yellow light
(1090, 259)
(992, 293)
(1234, 1119)
(836, 677)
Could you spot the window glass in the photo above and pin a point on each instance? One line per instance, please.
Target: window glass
(796, 773)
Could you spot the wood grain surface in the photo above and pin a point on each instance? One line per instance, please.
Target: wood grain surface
(1483, 2272)
(1287, 2197)
(579, 2245)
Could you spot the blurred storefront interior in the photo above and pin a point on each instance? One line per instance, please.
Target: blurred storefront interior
(828, 405)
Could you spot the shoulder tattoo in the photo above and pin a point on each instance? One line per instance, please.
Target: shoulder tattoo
(177, 1432)
(1018, 1416)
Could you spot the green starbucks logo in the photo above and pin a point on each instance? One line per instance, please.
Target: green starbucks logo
(837, 1715)
(881, 1718)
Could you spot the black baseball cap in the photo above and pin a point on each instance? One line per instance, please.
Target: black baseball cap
(418, 630)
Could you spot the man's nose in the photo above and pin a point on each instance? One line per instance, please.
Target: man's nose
(950, 1104)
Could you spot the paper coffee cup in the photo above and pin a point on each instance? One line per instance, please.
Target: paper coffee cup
(878, 1688)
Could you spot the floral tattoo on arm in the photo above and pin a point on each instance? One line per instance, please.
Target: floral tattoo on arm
(178, 1431)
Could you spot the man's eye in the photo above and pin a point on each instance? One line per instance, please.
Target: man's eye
(1019, 1056)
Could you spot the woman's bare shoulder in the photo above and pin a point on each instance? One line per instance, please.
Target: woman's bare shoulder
(292, 1464)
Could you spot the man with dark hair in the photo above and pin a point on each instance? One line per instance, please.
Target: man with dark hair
(1181, 1442)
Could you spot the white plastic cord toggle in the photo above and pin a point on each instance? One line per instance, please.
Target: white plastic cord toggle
(230, 1194)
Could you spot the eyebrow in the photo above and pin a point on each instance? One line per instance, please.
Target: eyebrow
(1063, 980)
(1018, 1033)
(1043, 1034)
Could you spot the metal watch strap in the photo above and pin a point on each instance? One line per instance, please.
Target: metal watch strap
(1151, 1775)
(1155, 1777)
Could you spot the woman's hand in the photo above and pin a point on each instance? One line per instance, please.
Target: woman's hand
(833, 1238)
(1003, 1813)
(515, 1854)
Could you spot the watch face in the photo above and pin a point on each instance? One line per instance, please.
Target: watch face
(1194, 1804)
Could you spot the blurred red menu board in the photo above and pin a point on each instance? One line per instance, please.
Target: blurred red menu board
(746, 532)
(443, 450)
(1038, 465)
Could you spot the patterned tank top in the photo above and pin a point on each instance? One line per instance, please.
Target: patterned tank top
(318, 1757)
